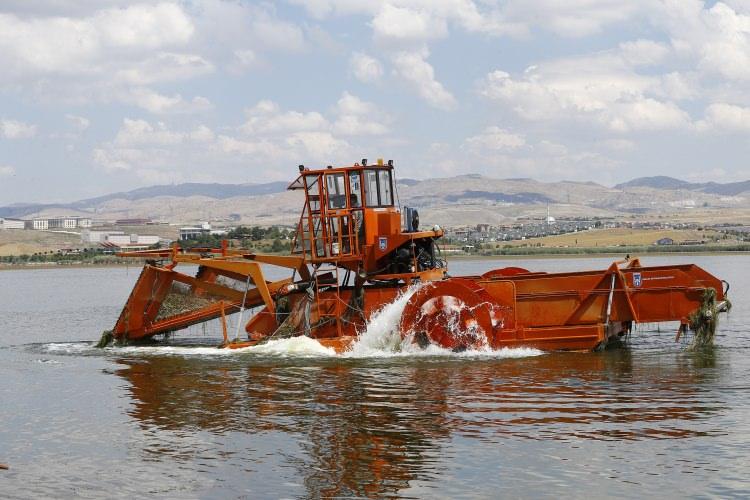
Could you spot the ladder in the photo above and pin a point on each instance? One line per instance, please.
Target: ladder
(327, 276)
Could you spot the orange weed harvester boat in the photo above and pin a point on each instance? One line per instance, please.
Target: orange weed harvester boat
(352, 255)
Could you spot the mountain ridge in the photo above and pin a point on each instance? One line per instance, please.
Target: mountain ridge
(463, 199)
(671, 183)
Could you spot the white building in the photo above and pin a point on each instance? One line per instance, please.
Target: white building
(65, 222)
(128, 242)
(11, 224)
(123, 240)
(90, 236)
(191, 233)
(195, 232)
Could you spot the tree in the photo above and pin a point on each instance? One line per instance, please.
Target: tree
(257, 233)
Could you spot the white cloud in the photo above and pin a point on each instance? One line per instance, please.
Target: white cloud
(494, 138)
(277, 34)
(270, 136)
(644, 52)
(365, 68)
(141, 132)
(358, 117)
(67, 45)
(726, 117)
(407, 24)
(412, 67)
(143, 26)
(267, 118)
(112, 160)
(410, 20)
(244, 59)
(319, 146)
(574, 18)
(500, 153)
(603, 87)
(164, 67)
(115, 51)
(202, 134)
(7, 171)
(12, 129)
(646, 114)
(717, 39)
(156, 103)
(80, 123)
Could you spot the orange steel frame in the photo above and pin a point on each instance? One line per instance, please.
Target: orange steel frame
(342, 232)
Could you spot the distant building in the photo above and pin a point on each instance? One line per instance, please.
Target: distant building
(128, 242)
(665, 241)
(11, 224)
(191, 233)
(69, 222)
(123, 240)
(195, 232)
(117, 240)
(91, 236)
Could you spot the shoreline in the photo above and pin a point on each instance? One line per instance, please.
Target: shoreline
(620, 255)
(53, 265)
(519, 256)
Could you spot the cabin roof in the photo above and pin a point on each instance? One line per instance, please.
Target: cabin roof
(299, 184)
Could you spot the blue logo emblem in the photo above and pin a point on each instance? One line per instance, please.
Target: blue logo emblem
(637, 279)
(382, 243)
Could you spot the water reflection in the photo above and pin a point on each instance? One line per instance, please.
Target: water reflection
(369, 428)
(364, 431)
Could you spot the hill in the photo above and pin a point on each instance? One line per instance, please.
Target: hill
(449, 201)
(670, 183)
(657, 182)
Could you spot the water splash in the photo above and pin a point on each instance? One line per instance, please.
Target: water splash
(382, 334)
(382, 338)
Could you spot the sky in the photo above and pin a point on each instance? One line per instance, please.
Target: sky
(99, 96)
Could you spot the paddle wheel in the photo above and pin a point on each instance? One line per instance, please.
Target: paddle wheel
(354, 252)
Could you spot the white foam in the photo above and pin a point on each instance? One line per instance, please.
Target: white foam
(295, 346)
(291, 347)
(67, 347)
(382, 338)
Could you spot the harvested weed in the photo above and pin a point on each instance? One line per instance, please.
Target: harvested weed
(178, 301)
(704, 320)
(107, 337)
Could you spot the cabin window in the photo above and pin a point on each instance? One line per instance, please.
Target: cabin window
(384, 183)
(371, 188)
(378, 188)
(355, 190)
(336, 191)
(312, 185)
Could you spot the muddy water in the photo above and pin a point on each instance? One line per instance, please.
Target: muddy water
(294, 420)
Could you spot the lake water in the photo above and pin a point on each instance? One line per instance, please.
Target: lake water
(294, 421)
